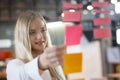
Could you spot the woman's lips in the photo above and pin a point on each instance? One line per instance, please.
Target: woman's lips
(39, 43)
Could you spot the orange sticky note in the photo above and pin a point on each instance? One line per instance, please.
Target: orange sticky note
(72, 63)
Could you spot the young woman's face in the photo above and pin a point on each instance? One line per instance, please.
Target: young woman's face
(37, 34)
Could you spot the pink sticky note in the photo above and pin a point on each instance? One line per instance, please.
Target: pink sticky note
(67, 5)
(101, 11)
(100, 33)
(102, 21)
(73, 35)
(69, 16)
(100, 4)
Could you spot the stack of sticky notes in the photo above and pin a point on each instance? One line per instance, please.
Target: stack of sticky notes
(73, 61)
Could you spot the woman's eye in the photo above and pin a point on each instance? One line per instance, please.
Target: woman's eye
(31, 33)
(43, 30)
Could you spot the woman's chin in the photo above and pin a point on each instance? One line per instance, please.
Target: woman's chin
(40, 49)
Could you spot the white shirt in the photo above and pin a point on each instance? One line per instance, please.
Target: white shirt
(18, 70)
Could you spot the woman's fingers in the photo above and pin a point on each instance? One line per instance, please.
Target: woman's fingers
(54, 62)
(55, 55)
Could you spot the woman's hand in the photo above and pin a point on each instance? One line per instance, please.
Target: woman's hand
(52, 56)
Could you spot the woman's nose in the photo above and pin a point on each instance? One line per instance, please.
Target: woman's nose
(39, 35)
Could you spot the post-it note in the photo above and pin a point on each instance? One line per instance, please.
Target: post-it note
(102, 21)
(100, 4)
(73, 16)
(73, 35)
(100, 33)
(72, 63)
(67, 5)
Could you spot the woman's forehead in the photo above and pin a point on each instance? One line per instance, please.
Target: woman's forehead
(37, 23)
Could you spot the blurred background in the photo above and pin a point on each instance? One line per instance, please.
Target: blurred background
(106, 50)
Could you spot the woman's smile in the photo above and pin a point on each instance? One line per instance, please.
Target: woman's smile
(40, 43)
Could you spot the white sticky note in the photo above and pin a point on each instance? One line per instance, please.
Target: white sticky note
(113, 55)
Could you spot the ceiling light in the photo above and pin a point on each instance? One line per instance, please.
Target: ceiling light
(89, 7)
(113, 1)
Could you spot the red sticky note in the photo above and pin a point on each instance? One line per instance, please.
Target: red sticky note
(99, 33)
(4, 54)
(67, 5)
(100, 4)
(101, 11)
(69, 16)
(73, 34)
(102, 21)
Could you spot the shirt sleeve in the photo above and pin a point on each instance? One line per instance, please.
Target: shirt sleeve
(17, 70)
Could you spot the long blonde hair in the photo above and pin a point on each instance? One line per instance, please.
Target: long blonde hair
(23, 45)
(21, 35)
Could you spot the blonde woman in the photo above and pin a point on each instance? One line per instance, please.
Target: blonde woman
(35, 60)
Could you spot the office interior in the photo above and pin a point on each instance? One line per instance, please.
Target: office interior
(101, 52)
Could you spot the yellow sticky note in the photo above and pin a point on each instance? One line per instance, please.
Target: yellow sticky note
(72, 63)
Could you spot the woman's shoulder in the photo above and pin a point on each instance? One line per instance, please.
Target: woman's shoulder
(15, 62)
